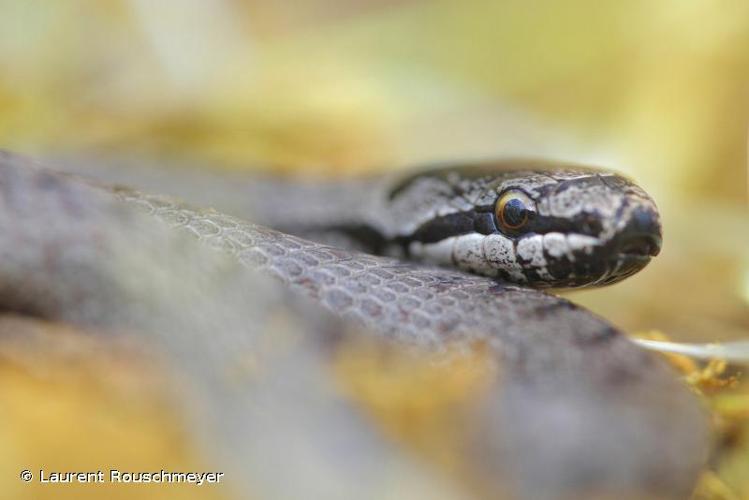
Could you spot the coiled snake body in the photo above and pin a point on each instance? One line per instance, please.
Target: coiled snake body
(578, 409)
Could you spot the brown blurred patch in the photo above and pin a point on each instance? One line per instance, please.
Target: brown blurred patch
(427, 401)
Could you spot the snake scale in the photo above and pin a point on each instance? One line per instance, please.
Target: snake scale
(576, 411)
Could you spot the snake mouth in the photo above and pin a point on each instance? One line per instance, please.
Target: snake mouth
(642, 246)
(633, 249)
(631, 257)
(623, 266)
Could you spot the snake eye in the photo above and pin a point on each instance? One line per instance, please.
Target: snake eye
(514, 209)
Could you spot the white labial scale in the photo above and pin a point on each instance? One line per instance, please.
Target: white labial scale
(468, 254)
(500, 254)
(555, 245)
(531, 249)
(435, 253)
(578, 242)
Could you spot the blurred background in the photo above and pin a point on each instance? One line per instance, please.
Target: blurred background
(659, 91)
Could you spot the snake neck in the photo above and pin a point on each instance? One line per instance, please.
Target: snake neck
(352, 214)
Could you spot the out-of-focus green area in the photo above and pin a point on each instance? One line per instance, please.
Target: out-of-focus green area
(659, 90)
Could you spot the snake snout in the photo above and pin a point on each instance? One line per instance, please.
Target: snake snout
(641, 236)
(635, 244)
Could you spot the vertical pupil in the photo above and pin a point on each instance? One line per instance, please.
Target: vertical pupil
(514, 213)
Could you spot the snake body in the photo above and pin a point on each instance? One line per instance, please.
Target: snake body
(579, 409)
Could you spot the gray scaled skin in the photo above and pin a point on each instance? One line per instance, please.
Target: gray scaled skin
(579, 411)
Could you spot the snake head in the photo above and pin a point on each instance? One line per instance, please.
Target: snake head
(583, 229)
(542, 224)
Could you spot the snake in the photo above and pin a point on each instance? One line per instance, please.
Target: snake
(445, 258)
(538, 223)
